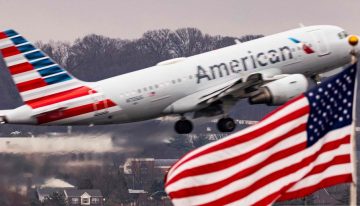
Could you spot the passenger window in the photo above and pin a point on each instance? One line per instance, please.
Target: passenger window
(156, 86)
(145, 89)
(179, 80)
(173, 81)
(150, 87)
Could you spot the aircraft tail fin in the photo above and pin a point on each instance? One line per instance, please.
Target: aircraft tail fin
(35, 74)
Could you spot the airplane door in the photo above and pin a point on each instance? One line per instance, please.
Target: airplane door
(320, 41)
(99, 102)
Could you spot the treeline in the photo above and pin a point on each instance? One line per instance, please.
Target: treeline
(95, 57)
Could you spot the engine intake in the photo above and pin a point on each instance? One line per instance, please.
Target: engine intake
(280, 91)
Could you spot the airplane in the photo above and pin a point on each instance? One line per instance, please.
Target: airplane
(269, 70)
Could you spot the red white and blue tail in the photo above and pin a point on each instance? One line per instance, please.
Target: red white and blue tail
(34, 73)
(45, 86)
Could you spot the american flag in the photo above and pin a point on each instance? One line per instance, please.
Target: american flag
(302, 146)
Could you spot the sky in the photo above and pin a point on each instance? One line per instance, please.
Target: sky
(67, 20)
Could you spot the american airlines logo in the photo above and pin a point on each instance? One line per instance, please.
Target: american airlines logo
(251, 61)
(307, 49)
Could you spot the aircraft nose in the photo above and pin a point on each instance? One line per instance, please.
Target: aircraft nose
(353, 41)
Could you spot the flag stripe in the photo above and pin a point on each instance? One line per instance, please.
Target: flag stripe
(236, 195)
(288, 109)
(330, 181)
(248, 136)
(331, 138)
(223, 174)
(220, 165)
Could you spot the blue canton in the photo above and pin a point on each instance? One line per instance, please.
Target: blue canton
(331, 104)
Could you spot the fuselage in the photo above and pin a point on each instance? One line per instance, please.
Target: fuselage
(150, 92)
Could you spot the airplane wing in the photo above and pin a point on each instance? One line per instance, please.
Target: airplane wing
(244, 86)
(269, 86)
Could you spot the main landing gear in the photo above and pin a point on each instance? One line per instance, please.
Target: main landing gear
(226, 124)
(184, 126)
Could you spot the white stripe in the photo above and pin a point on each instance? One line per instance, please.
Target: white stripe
(26, 76)
(51, 89)
(279, 114)
(5, 43)
(42, 58)
(18, 35)
(42, 68)
(245, 148)
(278, 184)
(63, 72)
(311, 180)
(214, 177)
(14, 60)
(35, 50)
(263, 172)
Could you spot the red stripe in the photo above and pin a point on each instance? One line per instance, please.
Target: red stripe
(220, 165)
(328, 182)
(30, 85)
(342, 159)
(59, 97)
(20, 68)
(282, 106)
(3, 35)
(203, 189)
(251, 135)
(236, 195)
(10, 51)
(58, 115)
(300, 193)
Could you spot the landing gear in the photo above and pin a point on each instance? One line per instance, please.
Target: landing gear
(226, 124)
(183, 126)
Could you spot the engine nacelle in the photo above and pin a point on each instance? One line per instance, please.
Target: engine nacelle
(280, 91)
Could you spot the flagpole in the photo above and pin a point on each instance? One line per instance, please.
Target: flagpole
(353, 189)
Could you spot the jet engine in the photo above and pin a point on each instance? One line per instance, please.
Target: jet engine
(280, 91)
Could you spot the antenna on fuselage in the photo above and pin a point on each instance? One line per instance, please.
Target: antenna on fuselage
(301, 24)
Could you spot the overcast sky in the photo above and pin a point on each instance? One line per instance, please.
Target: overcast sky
(69, 19)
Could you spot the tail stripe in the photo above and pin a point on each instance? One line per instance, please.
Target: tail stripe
(20, 68)
(10, 33)
(34, 55)
(3, 35)
(26, 48)
(59, 97)
(10, 51)
(30, 85)
(50, 71)
(42, 83)
(42, 63)
(57, 79)
(18, 40)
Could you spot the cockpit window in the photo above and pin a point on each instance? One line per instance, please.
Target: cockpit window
(343, 35)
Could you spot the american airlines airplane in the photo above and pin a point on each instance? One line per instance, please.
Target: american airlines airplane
(270, 70)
